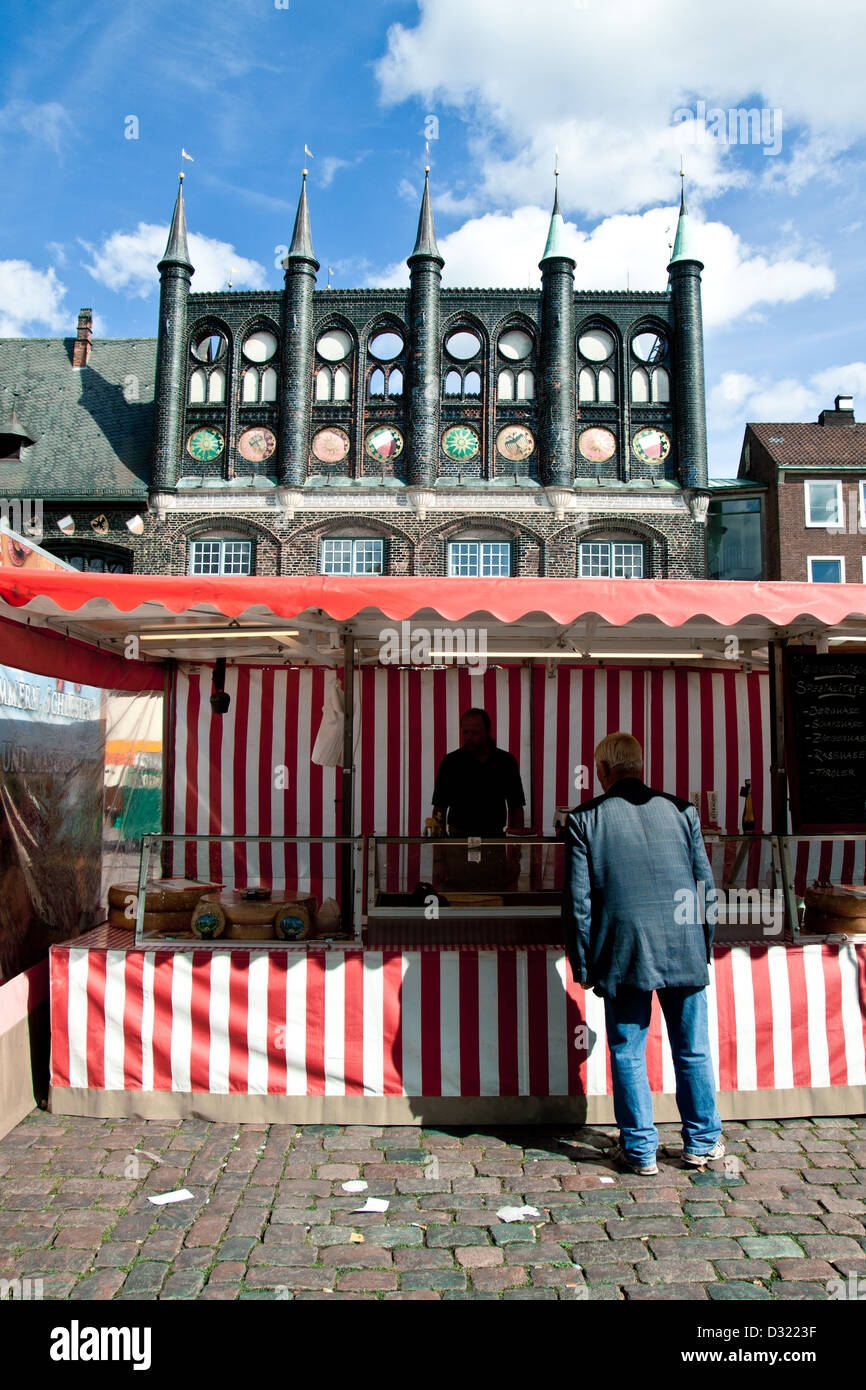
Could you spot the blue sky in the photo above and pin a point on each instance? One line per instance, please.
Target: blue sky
(623, 89)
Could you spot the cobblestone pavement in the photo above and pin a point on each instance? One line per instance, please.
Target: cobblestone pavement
(270, 1217)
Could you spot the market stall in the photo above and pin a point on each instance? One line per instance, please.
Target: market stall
(470, 1013)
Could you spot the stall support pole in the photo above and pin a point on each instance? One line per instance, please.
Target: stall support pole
(348, 790)
(778, 777)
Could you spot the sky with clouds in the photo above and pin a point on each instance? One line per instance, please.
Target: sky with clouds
(97, 101)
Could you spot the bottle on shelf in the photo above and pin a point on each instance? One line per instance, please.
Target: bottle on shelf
(748, 807)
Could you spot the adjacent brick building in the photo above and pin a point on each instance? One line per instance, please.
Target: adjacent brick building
(814, 478)
(419, 431)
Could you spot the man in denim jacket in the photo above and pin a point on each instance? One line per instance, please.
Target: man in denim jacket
(638, 910)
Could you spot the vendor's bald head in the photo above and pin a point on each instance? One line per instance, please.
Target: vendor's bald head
(475, 729)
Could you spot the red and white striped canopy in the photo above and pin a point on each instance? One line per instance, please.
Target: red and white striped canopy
(523, 616)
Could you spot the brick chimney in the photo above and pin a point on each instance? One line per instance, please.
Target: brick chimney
(842, 414)
(83, 343)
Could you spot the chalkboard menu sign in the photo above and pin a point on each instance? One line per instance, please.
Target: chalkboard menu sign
(825, 740)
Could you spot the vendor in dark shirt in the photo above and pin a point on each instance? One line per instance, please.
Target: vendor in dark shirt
(479, 784)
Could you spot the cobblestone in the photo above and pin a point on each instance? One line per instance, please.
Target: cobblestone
(270, 1219)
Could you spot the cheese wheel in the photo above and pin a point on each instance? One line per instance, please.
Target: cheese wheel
(820, 922)
(250, 931)
(838, 900)
(161, 895)
(152, 922)
(208, 920)
(292, 922)
(250, 913)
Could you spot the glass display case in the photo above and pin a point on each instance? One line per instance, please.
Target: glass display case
(252, 890)
(471, 891)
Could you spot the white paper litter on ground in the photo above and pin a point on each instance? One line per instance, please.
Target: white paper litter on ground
(354, 1185)
(516, 1213)
(162, 1197)
(373, 1204)
(607, 1179)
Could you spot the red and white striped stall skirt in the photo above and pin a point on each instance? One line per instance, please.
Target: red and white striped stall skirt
(437, 1035)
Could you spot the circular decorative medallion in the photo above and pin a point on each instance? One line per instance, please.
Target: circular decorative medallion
(331, 445)
(205, 444)
(383, 443)
(597, 445)
(460, 442)
(515, 442)
(257, 444)
(651, 446)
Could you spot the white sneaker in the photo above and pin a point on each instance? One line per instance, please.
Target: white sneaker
(698, 1160)
(646, 1169)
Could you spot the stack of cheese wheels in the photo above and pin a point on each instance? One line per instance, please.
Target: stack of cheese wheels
(248, 919)
(835, 907)
(168, 905)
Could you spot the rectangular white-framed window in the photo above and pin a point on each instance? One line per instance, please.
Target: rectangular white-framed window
(353, 555)
(479, 559)
(611, 560)
(862, 490)
(823, 502)
(825, 569)
(215, 556)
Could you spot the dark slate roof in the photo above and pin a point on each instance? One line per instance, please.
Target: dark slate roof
(813, 445)
(90, 440)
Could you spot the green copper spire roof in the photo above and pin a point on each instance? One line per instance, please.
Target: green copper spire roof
(556, 236)
(425, 241)
(685, 248)
(176, 250)
(301, 248)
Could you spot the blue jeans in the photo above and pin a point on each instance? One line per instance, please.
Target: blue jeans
(627, 1018)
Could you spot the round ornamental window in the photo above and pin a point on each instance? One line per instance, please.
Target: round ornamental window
(649, 347)
(209, 346)
(463, 345)
(386, 346)
(515, 345)
(596, 346)
(260, 347)
(334, 345)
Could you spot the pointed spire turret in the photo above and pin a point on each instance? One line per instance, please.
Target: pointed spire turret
(176, 249)
(556, 235)
(685, 248)
(301, 248)
(425, 241)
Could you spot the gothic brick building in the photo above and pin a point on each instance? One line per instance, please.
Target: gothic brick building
(419, 431)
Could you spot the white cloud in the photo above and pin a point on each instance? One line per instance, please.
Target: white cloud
(518, 78)
(502, 250)
(31, 301)
(738, 397)
(128, 260)
(47, 121)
